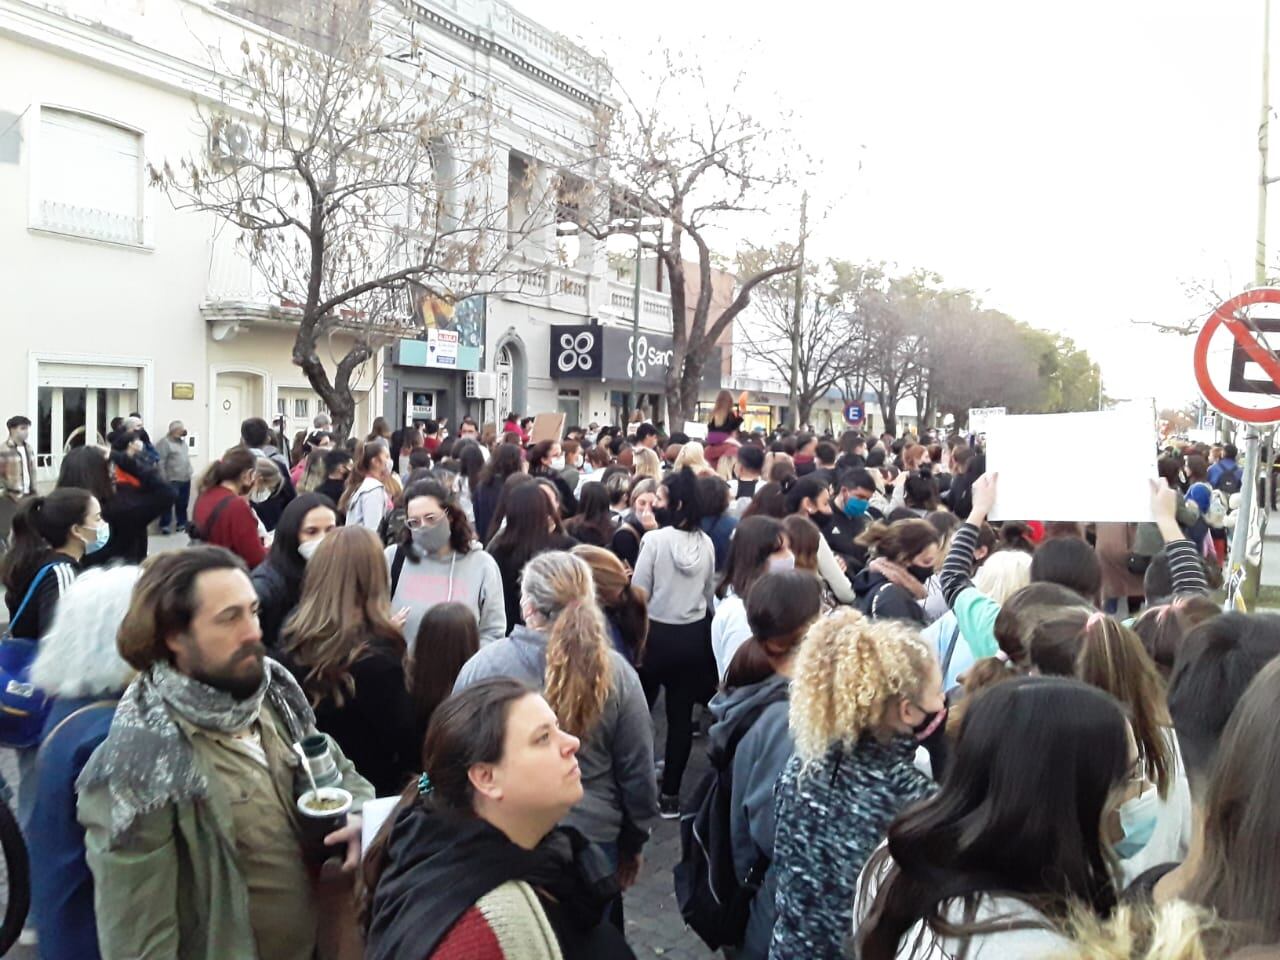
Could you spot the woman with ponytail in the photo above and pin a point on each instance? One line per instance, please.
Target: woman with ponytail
(222, 516)
(625, 608)
(562, 648)
(50, 536)
(471, 865)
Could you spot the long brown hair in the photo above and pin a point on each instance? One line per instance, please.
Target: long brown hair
(362, 469)
(560, 587)
(804, 536)
(900, 541)
(1112, 659)
(723, 409)
(448, 637)
(1239, 873)
(628, 605)
(230, 466)
(346, 604)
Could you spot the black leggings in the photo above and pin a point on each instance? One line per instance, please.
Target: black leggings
(678, 658)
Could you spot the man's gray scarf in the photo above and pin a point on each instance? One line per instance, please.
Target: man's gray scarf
(147, 762)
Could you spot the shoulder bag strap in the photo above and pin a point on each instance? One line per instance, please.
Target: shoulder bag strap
(31, 592)
(68, 718)
(397, 564)
(951, 649)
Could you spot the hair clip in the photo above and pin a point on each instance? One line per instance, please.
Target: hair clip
(424, 785)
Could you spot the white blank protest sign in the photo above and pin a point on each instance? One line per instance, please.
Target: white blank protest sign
(1080, 467)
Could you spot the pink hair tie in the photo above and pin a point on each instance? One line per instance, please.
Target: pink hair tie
(1095, 618)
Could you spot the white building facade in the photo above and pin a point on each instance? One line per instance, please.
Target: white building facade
(119, 303)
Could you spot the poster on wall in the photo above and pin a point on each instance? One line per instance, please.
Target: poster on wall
(452, 331)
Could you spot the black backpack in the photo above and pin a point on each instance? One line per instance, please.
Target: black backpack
(714, 901)
(1229, 481)
(201, 534)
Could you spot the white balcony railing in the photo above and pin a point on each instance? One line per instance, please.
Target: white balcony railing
(655, 307)
(89, 222)
(550, 49)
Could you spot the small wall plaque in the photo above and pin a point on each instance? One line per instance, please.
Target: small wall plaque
(182, 391)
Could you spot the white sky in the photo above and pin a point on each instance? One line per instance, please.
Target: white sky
(1079, 167)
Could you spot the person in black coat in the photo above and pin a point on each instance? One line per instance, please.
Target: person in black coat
(505, 460)
(546, 459)
(53, 532)
(130, 491)
(892, 586)
(278, 580)
(532, 527)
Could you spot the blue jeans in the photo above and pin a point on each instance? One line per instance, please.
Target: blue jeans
(182, 497)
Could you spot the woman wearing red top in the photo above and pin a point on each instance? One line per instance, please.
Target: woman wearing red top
(222, 514)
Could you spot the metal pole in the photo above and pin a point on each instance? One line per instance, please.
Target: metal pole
(635, 322)
(1248, 486)
(794, 399)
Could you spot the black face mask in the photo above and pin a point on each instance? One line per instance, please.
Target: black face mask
(920, 573)
(932, 720)
(664, 515)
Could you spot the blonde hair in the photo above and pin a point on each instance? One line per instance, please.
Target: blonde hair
(1176, 930)
(1003, 574)
(346, 602)
(692, 456)
(645, 463)
(848, 672)
(725, 465)
(559, 586)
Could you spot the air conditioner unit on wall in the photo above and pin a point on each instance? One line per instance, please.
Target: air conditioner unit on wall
(482, 386)
(230, 142)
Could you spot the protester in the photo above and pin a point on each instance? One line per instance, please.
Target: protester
(546, 459)
(256, 435)
(337, 467)
(130, 492)
(175, 468)
(716, 523)
(306, 521)
(1162, 628)
(991, 865)
(438, 560)
(51, 535)
(472, 862)
(625, 608)
(312, 472)
(447, 638)
(222, 516)
(269, 495)
(368, 495)
(810, 497)
(561, 647)
(750, 463)
(726, 418)
(79, 668)
(504, 462)
(647, 464)
(693, 456)
(753, 706)
(594, 523)
(862, 695)
(532, 527)
(187, 806)
(893, 583)
(759, 547)
(348, 655)
(1227, 475)
(676, 568)
(471, 464)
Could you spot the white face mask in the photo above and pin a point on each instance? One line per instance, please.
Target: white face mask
(557, 463)
(259, 495)
(308, 550)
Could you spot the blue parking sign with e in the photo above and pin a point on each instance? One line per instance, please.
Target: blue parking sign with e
(853, 414)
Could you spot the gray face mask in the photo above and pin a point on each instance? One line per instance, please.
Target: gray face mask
(432, 539)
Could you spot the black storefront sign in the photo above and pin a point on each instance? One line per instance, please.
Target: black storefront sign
(595, 352)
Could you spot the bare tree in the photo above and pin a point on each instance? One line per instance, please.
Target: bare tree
(346, 173)
(827, 332)
(693, 177)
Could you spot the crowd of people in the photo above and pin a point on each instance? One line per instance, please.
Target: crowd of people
(931, 736)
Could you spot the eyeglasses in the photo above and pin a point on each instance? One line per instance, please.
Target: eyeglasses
(417, 523)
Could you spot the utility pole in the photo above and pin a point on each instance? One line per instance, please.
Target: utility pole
(1236, 568)
(794, 400)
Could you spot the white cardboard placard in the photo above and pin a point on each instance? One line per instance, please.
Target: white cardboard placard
(980, 418)
(1084, 467)
(695, 430)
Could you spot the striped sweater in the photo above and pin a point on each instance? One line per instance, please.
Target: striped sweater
(505, 924)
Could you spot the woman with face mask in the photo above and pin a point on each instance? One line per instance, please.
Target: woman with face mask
(759, 546)
(863, 695)
(130, 491)
(439, 560)
(306, 521)
(50, 536)
(222, 516)
(547, 459)
(893, 583)
(810, 497)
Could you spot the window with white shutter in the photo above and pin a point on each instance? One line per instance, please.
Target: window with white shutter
(90, 178)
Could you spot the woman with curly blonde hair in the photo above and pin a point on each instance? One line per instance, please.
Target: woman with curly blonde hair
(563, 650)
(862, 696)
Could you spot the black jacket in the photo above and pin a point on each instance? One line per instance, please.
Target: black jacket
(842, 533)
(485, 504)
(37, 618)
(511, 570)
(889, 601)
(130, 510)
(277, 597)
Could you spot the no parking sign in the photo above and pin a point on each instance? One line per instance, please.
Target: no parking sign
(1236, 369)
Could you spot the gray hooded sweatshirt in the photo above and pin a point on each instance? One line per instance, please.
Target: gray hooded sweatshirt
(677, 568)
(757, 763)
(620, 792)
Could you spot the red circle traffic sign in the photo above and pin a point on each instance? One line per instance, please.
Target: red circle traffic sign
(1225, 316)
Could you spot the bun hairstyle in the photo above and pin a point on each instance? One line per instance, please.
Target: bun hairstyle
(559, 586)
(1016, 535)
(899, 542)
(230, 466)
